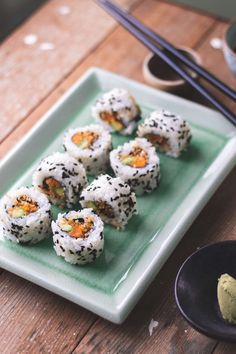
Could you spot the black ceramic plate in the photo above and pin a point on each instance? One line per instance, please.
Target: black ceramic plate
(196, 289)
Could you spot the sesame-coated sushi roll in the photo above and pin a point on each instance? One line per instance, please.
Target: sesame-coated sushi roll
(25, 216)
(168, 132)
(90, 145)
(78, 236)
(111, 198)
(61, 178)
(117, 111)
(137, 163)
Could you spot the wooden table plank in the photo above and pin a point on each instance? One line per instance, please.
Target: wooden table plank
(34, 320)
(28, 74)
(173, 335)
(225, 348)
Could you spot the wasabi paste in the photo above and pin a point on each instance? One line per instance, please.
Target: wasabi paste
(226, 293)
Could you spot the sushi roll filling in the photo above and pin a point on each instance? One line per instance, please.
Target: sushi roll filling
(53, 188)
(137, 158)
(22, 207)
(101, 208)
(77, 228)
(112, 120)
(84, 139)
(158, 141)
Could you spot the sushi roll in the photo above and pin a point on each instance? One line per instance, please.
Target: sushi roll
(61, 178)
(78, 236)
(137, 163)
(25, 216)
(117, 111)
(90, 145)
(168, 132)
(111, 198)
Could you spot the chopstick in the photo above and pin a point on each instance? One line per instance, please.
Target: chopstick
(106, 5)
(169, 47)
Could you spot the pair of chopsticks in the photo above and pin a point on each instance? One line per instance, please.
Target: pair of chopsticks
(146, 36)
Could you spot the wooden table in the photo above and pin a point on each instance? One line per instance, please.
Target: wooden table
(33, 320)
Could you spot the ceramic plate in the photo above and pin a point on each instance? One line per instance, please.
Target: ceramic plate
(113, 284)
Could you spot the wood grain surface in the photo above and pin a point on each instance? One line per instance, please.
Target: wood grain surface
(33, 320)
(25, 83)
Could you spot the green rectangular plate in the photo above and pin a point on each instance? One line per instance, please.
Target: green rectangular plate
(113, 284)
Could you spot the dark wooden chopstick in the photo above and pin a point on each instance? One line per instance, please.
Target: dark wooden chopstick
(156, 50)
(169, 47)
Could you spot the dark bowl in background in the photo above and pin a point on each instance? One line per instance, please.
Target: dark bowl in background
(158, 74)
(196, 289)
(14, 12)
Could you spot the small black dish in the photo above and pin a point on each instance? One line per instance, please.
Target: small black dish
(158, 74)
(196, 289)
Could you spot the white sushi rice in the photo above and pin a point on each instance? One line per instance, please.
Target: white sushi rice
(116, 194)
(78, 250)
(143, 179)
(95, 159)
(66, 170)
(27, 229)
(119, 102)
(169, 126)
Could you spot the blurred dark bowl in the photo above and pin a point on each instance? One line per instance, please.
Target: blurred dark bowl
(196, 289)
(14, 12)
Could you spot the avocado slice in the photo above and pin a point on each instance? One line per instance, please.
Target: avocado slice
(66, 227)
(60, 191)
(83, 144)
(117, 126)
(91, 204)
(127, 160)
(17, 213)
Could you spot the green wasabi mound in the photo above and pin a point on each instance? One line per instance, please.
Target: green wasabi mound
(226, 293)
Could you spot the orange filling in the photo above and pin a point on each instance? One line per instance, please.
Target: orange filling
(159, 141)
(111, 119)
(78, 228)
(84, 140)
(23, 206)
(53, 188)
(137, 158)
